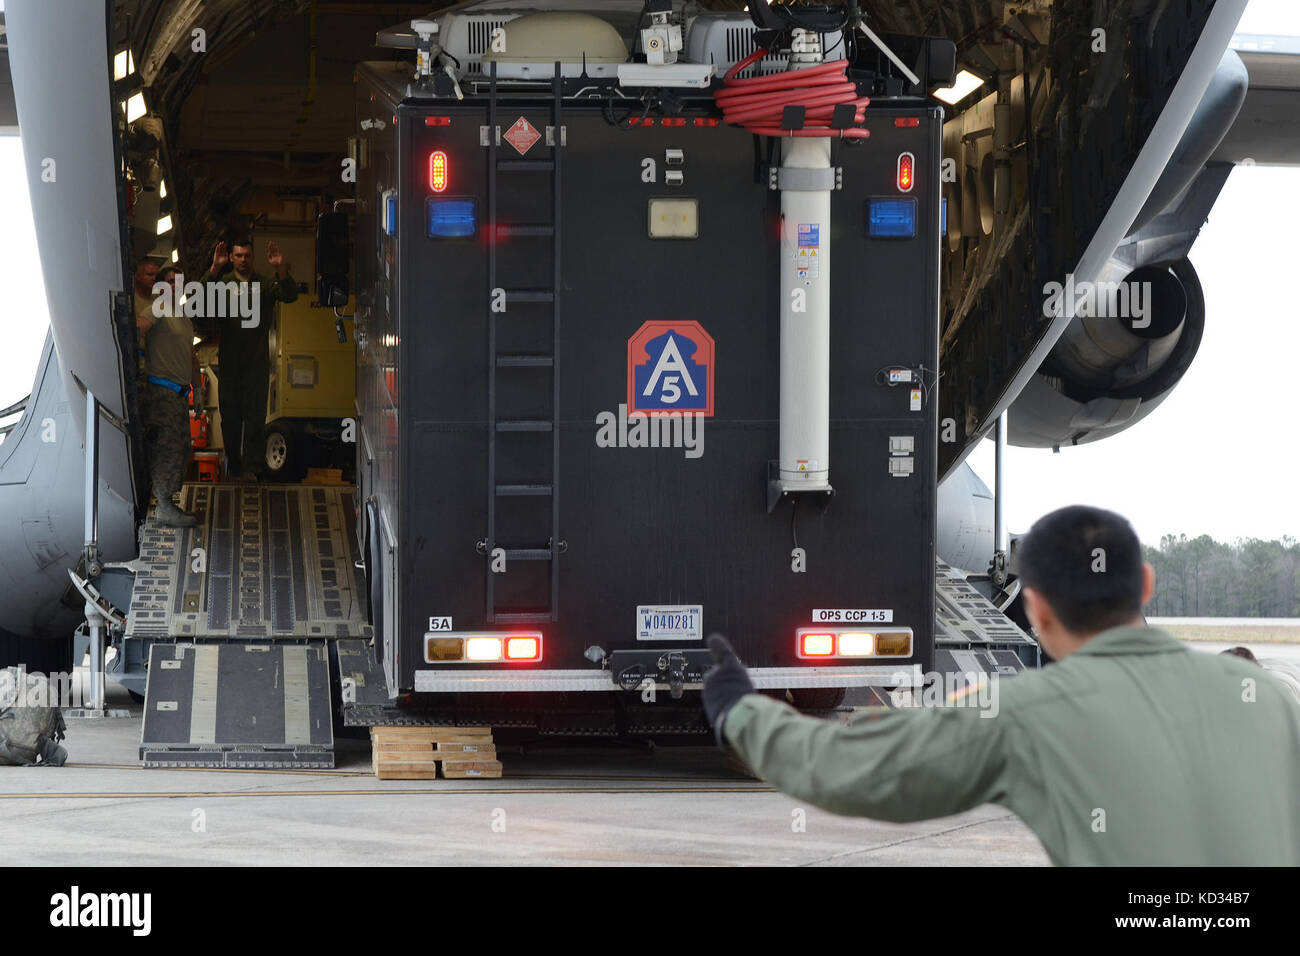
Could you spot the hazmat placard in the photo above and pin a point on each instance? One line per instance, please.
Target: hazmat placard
(522, 136)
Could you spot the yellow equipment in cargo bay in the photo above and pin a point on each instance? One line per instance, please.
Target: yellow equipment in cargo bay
(312, 391)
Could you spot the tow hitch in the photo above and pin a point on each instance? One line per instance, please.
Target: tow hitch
(679, 669)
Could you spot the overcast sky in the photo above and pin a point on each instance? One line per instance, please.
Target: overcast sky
(1219, 457)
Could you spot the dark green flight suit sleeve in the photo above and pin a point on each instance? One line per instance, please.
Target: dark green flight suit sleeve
(898, 765)
(284, 290)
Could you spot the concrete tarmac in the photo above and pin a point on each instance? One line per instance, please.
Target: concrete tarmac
(575, 805)
(556, 806)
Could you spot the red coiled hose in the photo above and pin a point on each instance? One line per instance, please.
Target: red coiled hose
(757, 102)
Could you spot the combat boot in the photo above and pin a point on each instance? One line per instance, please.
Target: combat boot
(172, 517)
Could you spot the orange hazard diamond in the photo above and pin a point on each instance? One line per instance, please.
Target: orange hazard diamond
(522, 136)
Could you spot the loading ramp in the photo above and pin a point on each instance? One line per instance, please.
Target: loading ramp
(239, 614)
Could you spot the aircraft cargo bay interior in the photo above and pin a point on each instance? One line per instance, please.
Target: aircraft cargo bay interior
(434, 388)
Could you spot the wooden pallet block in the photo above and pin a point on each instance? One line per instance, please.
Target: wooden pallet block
(489, 750)
(413, 753)
(429, 733)
(402, 746)
(405, 756)
(464, 769)
(402, 769)
(324, 476)
(408, 773)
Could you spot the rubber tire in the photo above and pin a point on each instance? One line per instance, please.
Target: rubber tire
(282, 455)
(817, 698)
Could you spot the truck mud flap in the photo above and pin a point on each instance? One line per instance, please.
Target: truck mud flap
(238, 705)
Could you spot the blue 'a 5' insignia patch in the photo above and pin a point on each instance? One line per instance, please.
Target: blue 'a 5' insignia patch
(670, 368)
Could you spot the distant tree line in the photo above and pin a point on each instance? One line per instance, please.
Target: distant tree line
(1202, 577)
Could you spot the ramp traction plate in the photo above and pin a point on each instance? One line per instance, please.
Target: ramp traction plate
(265, 561)
(238, 705)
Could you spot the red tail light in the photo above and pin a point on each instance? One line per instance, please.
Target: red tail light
(438, 170)
(817, 644)
(523, 648)
(905, 172)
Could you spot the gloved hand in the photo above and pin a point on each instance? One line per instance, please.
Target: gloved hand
(725, 683)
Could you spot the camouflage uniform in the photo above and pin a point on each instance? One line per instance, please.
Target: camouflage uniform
(143, 307)
(167, 431)
(166, 411)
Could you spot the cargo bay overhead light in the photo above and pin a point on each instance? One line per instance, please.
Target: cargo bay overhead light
(965, 84)
(123, 65)
(134, 107)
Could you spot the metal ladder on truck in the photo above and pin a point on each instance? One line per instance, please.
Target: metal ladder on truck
(543, 489)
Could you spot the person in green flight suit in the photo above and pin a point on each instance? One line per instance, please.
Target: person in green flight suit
(243, 357)
(1130, 749)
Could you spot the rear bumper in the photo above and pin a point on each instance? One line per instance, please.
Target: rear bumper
(765, 678)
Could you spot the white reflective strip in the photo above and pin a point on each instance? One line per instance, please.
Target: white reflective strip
(297, 695)
(766, 678)
(203, 698)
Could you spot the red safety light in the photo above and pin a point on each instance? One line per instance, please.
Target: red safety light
(643, 121)
(438, 171)
(905, 178)
(817, 644)
(437, 121)
(905, 122)
(706, 121)
(675, 121)
(523, 648)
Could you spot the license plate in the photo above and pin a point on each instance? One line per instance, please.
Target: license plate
(679, 622)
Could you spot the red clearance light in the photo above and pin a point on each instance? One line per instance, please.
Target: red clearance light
(904, 122)
(675, 121)
(523, 648)
(706, 121)
(438, 171)
(817, 644)
(643, 121)
(437, 121)
(905, 180)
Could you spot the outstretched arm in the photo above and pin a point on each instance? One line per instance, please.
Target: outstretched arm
(897, 765)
